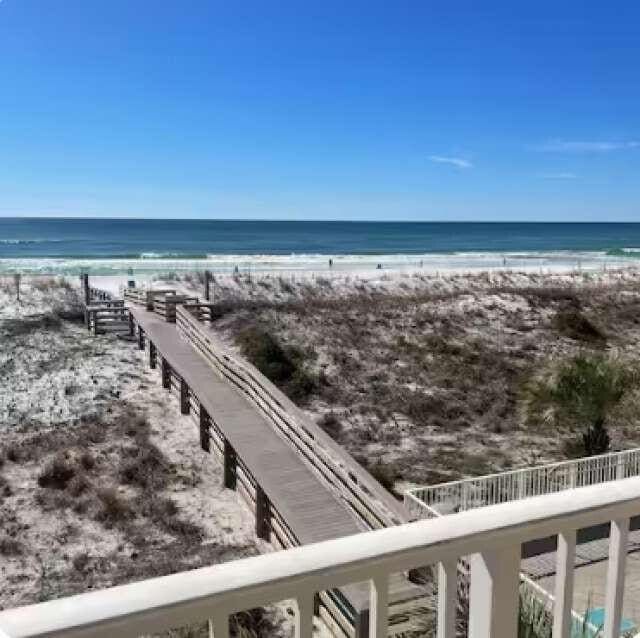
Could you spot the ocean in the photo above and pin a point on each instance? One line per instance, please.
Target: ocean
(112, 246)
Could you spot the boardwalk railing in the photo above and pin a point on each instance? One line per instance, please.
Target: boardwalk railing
(144, 296)
(102, 313)
(491, 538)
(455, 496)
(165, 305)
(366, 498)
(106, 316)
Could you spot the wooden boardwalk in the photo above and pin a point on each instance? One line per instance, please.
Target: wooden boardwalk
(311, 511)
(287, 492)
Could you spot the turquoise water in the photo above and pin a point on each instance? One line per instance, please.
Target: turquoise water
(596, 618)
(111, 245)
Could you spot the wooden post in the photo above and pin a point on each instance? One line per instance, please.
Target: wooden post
(207, 285)
(140, 338)
(166, 374)
(131, 325)
(230, 466)
(205, 427)
(184, 397)
(262, 514)
(85, 289)
(16, 279)
(152, 355)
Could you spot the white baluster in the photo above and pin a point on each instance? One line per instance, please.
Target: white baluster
(378, 606)
(219, 626)
(447, 598)
(565, 559)
(494, 593)
(304, 615)
(615, 577)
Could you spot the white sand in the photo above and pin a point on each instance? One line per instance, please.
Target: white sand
(50, 379)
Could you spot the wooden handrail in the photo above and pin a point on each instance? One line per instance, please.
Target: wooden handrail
(373, 504)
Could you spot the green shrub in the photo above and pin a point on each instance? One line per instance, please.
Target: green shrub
(572, 323)
(284, 366)
(534, 620)
(113, 508)
(145, 467)
(384, 473)
(26, 325)
(583, 393)
(330, 423)
(10, 546)
(57, 473)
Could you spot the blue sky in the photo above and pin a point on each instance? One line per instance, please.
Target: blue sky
(327, 110)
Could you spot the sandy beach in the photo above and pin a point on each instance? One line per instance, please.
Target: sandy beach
(102, 480)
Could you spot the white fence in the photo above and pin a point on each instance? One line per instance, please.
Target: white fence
(491, 538)
(456, 496)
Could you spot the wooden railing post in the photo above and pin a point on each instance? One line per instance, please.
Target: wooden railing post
(166, 374)
(140, 338)
(207, 285)
(205, 427)
(152, 355)
(16, 280)
(85, 289)
(131, 325)
(263, 514)
(494, 593)
(230, 466)
(185, 408)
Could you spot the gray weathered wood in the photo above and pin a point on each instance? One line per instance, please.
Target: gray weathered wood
(293, 491)
(205, 430)
(230, 466)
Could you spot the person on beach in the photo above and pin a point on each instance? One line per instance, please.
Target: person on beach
(330, 263)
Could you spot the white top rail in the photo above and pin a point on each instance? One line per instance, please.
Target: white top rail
(495, 533)
(465, 494)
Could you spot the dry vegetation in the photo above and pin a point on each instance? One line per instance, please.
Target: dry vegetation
(102, 481)
(430, 379)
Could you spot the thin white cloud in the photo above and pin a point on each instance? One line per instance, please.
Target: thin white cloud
(565, 146)
(558, 176)
(458, 162)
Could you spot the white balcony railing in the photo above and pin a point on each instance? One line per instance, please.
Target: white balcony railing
(491, 489)
(491, 538)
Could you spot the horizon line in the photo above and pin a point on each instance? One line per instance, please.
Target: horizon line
(311, 221)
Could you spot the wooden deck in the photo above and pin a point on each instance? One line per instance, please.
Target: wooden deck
(312, 512)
